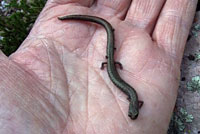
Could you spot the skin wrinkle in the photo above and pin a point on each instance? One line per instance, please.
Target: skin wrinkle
(62, 59)
(146, 12)
(69, 80)
(115, 97)
(173, 49)
(146, 61)
(75, 123)
(179, 21)
(8, 65)
(55, 112)
(49, 115)
(7, 91)
(94, 49)
(140, 70)
(81, 125)
(65, 77)
(34, 56)
(72, 121)
(39, 59)
(164, 64)
(159, 90)
(109, 129)
(141, 22)
(57, 2)
(54, 91)
(74, 91)
(60, 103)
(94, 115)
(173, 55)
(148, 83)
(132, 35)
(89, 66)
(160, 64)
(144, 5)
(22, 101)
(107, 5)
(87, 113)
(118, 13)
(48, 19)
(73, 76)
(71, 100)
(123, 113)
(93, 129)
(182, 22)
(26, 71)
(67, 121)
(69, 11)
(50, 72)
(89, 42)
(32, 113)
(73, 51)
(58, 99)
(118, 46)
(149, 9)
(70, 24)
(38, 119)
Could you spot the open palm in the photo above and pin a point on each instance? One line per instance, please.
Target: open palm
(53, 83)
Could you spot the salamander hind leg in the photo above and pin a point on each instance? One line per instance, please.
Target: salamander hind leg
(119, 64)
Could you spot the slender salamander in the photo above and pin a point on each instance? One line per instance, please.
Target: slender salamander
(111, 69)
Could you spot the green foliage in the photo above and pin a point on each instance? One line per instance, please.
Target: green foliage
(16, 20)
(194, 84)
(195, 29)
(197, 56)
(179, 121)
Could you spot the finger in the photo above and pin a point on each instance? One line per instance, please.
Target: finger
(143, 13)
(173, 26)
(112, 7)
(80, 2)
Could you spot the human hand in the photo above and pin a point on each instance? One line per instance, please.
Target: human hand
(53, 83)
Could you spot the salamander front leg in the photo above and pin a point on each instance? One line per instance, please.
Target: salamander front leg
(103, 65)
(140, 103)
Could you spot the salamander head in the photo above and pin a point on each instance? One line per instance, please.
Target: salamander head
(133, 111)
